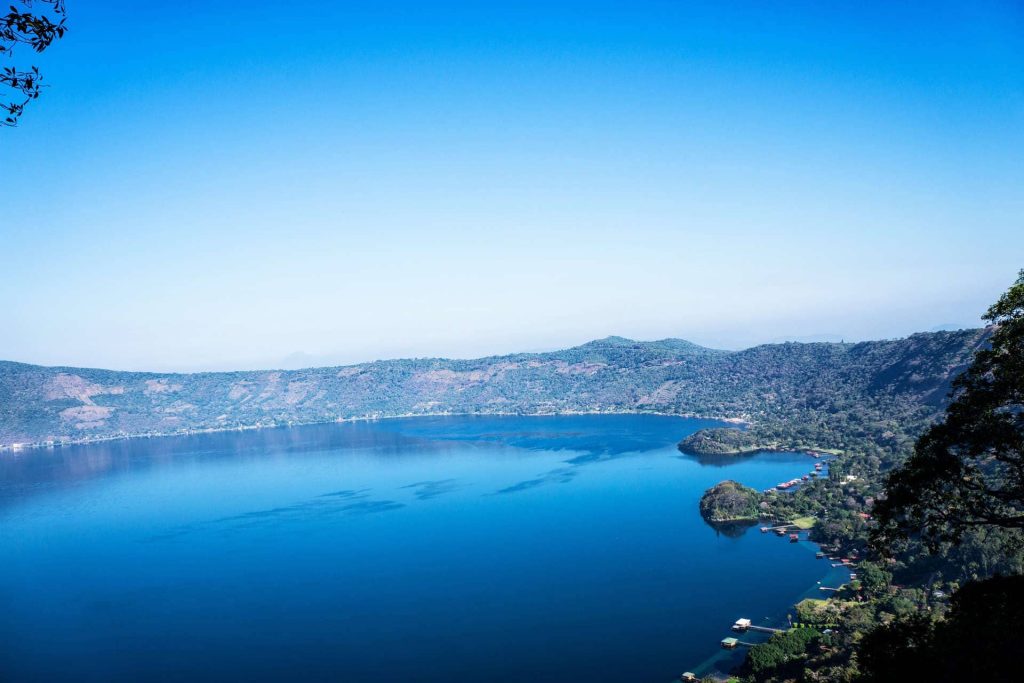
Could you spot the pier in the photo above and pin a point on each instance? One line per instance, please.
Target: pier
(742, 625)
(733, 643)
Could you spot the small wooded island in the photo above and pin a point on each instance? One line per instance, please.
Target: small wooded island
(721, 441)
(730, 501)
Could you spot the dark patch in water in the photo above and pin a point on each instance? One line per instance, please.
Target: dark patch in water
(372, 506)
(347, 493)
(718, 460)
(731, 529)
(425, 490)
(562, 475)
(324, 505)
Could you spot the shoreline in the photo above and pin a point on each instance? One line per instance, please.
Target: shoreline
(709, 666)
(706, 667)
(18, 447)
(810, 450)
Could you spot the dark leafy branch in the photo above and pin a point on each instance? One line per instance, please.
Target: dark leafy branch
(968, 470)
(34, 27)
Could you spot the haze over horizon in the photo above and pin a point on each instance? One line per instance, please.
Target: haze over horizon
(230, 185)
(300, 360)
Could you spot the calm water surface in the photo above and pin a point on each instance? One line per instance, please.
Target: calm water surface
(434, 549)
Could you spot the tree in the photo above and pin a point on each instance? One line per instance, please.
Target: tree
(977, 641)
(968, 470)
(37, 30)
(783, 653)
(903, 650)
(729, 501)
(873, 578)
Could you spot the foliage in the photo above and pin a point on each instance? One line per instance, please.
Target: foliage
(868, 399)
(873, 579)
(37, 30)
(957, 508)
(812, 611)
(968, 470)
(898, 651)
(719, 441)
(962, 483)
(782, 654)
(729, 501)
(976, 641)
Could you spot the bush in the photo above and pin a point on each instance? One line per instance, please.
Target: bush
(783, 653)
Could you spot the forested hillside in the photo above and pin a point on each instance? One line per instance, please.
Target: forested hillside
(879, 391)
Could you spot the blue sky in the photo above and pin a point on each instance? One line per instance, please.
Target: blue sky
(221, 185)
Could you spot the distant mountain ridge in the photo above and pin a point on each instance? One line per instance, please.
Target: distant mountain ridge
(876, 380)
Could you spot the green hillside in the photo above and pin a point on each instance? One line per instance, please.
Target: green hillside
(837, 395)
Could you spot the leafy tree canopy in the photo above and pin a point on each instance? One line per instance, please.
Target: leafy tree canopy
(977, 641)
(968, 470)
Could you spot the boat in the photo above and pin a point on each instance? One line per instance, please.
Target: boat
(764, 530)
(793, 538)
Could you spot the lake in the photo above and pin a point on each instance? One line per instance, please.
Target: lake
(425, 549)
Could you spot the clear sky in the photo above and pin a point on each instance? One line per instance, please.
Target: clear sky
(222, 184)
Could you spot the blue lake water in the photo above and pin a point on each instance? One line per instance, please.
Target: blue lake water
(430, 549)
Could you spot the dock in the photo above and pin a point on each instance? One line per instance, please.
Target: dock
(733, 643)
(745, 624)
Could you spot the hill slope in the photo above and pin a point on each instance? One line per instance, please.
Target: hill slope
(868, 383)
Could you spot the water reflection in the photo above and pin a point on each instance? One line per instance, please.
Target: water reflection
(338, 502)
(40, 470)
(719, 460)
(425, 490)
(35, 471)
(731, 529)
(561, 475)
